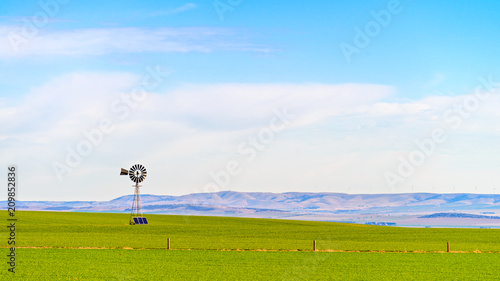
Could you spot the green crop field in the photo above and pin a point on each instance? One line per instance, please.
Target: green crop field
(102, 246)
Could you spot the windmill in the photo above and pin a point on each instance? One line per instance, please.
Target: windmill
(137, 174)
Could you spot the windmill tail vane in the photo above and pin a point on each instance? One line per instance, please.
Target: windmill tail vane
(137, 174)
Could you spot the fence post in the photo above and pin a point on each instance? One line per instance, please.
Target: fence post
(314, 245)
(168, 243)
(447, 247)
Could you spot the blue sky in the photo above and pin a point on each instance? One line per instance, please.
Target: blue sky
(250, 96)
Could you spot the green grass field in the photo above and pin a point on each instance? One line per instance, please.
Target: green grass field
(138, 252)
(74, 264)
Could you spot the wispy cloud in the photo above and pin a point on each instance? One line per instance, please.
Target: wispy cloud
(242, 104)
(434, 81)
(23, 19)
(178, 10)
(101, 41)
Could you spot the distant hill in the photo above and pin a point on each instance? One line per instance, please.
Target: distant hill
(359, 208)
(289, 202)
(459, 215)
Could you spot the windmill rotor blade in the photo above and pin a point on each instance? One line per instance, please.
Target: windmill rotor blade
(133, 178)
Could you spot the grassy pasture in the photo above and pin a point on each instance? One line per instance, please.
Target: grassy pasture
(138, 252)
(119, 264)
(60, 229)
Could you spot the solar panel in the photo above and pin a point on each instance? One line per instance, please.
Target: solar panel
(140, 220)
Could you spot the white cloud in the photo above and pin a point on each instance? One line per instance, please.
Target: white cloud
(343, 136)
(101, 41)
(69, 101)
(391, 109)
(240, 104)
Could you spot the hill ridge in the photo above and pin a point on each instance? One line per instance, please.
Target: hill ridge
(360, 208)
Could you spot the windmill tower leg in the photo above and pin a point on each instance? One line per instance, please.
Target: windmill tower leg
(134, 207)
(136, 204)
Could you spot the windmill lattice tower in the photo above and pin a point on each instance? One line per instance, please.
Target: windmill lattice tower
(137, 174)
